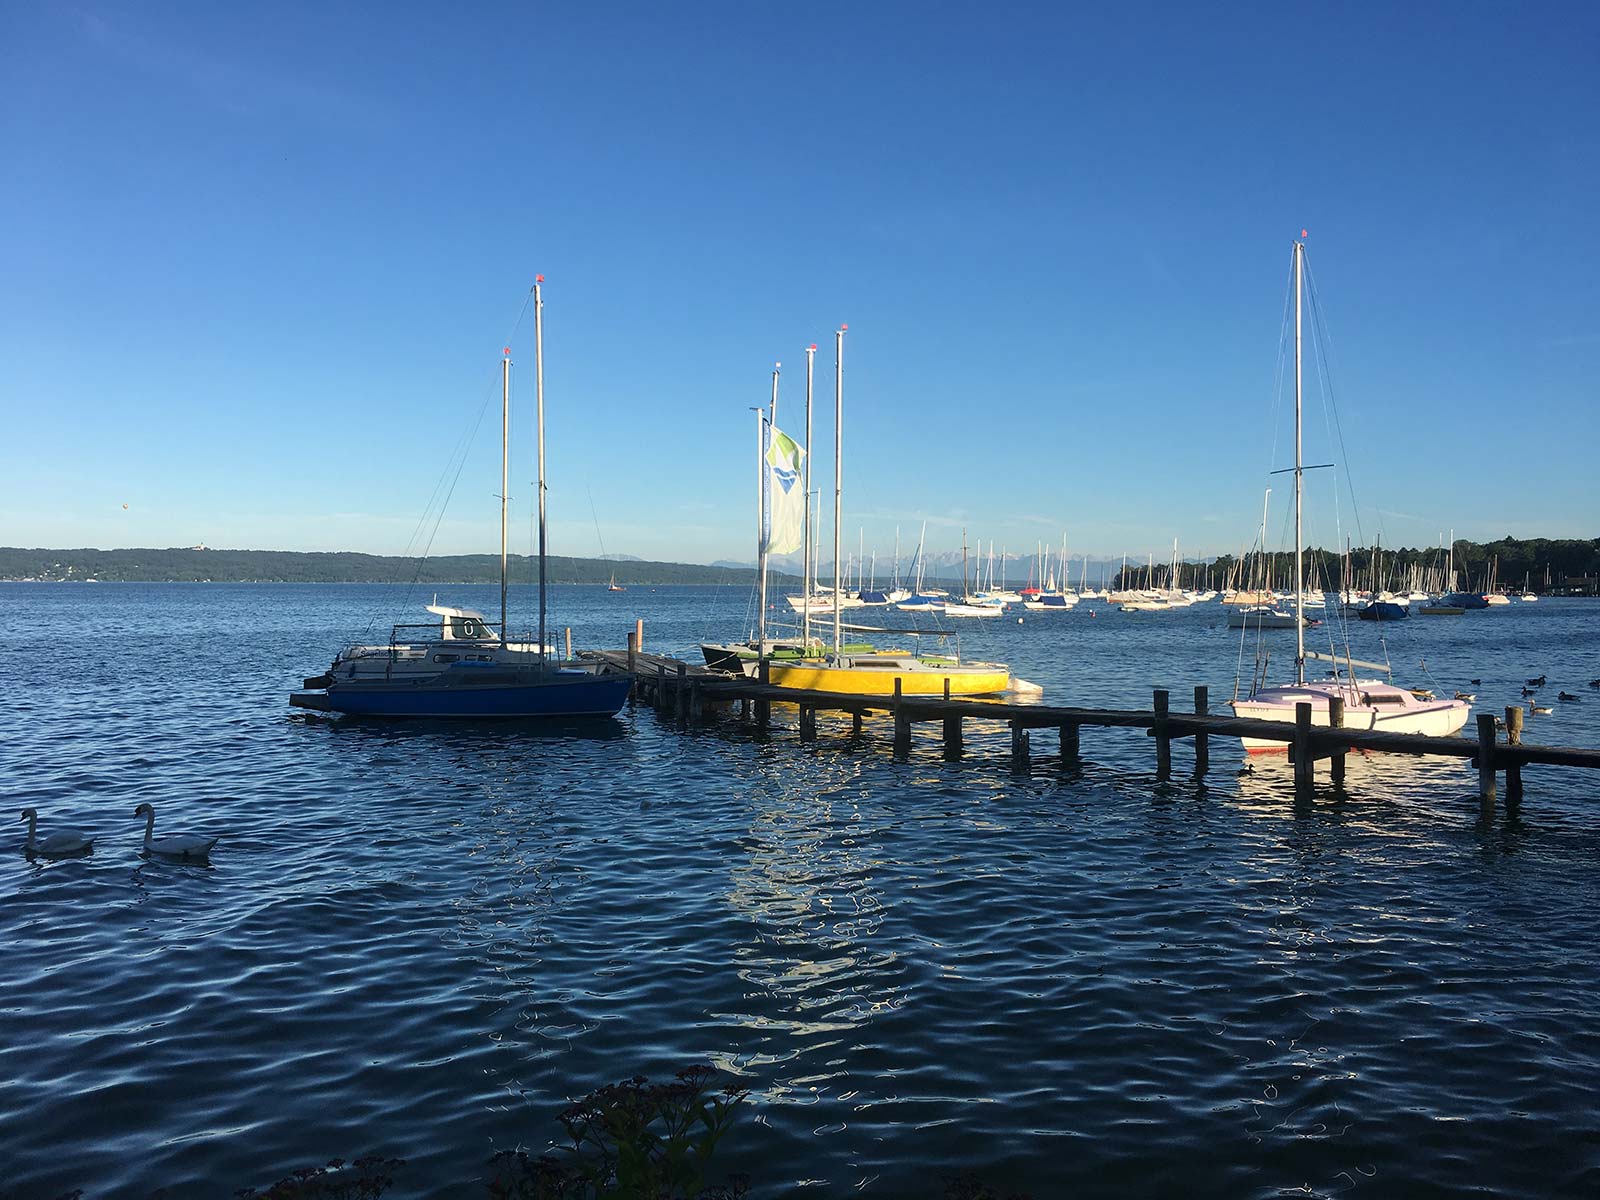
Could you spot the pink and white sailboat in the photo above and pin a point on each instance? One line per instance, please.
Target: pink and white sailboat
(1368, 703)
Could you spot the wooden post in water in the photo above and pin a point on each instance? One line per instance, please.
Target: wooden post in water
(1486, 782)
(1069, 747)
(569, 643)
(1202, 742)
(661, 685)
(638, 635)
(1020, 760)
(952, 737)
(1336, 721)
(855, 724)
(696, 703)
(902, 725)
(808, 723)
(763, 706)
(1513, 767)
(1163, 739)
(633, 666)
(680, 697)
(1304, 764)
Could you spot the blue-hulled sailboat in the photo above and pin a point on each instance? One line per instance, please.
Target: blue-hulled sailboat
(462, 666)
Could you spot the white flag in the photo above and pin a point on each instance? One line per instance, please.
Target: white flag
(786, 501)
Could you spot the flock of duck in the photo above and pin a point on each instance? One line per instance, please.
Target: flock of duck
(74, 843)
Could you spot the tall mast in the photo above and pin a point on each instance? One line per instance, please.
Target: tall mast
(1299, 540)
(805, 611)
(538, 388)
(762, 476)
(505, 477)
(838, 466)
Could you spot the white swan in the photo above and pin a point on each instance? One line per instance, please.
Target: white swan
(184, 847)
(62, 843)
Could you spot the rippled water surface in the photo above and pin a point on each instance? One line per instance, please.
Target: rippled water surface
(423, 939)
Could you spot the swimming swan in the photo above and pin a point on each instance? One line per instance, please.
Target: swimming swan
(183, 847)
(62, 843)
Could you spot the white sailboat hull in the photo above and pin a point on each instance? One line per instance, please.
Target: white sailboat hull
(1368, 705)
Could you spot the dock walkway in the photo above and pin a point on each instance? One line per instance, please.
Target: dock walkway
(693, 693)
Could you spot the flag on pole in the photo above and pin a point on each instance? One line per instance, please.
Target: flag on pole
(786, 502)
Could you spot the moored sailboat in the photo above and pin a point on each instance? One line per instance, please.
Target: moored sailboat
(1368, 704)
(462, 667)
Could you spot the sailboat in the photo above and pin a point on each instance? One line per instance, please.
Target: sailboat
(870, 672)
(462, 666)
(1369, 703)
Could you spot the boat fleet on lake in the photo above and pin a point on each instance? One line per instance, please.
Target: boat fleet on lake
(463, 665)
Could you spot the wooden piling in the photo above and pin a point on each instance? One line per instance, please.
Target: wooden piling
(1304, 763)
(1163, 738)
(1020, 760)
(855, 724)
(661, 685)
(680, 696)
(1202, 743)
(1336, 721)
(763, 706)
(952, 735)
(808, 723)
(902, 725)
(569, 643)
(696, 703)
(1069, 746)
(633, 665)
(1513, 766)
(1486, 781)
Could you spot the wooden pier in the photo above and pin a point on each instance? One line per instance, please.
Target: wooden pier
(692, 694)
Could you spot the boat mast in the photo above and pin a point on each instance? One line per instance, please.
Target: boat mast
(505, 480)
(805, 611)
(761, 486)
(1299, 581)
(538, 389)
(838, 467)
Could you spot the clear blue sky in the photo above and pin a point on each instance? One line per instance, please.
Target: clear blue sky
(257, 264)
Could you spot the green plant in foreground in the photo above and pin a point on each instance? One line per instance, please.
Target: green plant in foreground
(364, 1179)
(634, 1139)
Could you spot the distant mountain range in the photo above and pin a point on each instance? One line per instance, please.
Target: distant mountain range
(202, 565)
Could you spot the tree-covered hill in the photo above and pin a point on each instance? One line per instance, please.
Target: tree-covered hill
(191, 565)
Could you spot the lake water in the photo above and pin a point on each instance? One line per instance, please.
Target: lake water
(422, 940)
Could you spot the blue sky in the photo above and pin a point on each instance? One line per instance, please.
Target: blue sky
(259, 262)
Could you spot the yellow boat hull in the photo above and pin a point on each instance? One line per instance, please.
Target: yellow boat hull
(866, 678)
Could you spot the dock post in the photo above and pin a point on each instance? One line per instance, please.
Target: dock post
(1486, 784)
(952, 735)
(696, 703)
(569, 643)
(1163, 739)
(763, 705)
(1069, 747)
(902, 725)
(1513, 766)
(633, 666)
(1336, 721)
(1304, 764)
(1020, 760)
(680, 696)
(808, 723)
(638, 635)
(661, 686)
(1202, 741)
(855, 724)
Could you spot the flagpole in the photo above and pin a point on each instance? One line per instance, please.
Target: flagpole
(761, 535)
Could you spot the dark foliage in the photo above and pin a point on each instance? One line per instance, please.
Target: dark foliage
(363, 1179)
